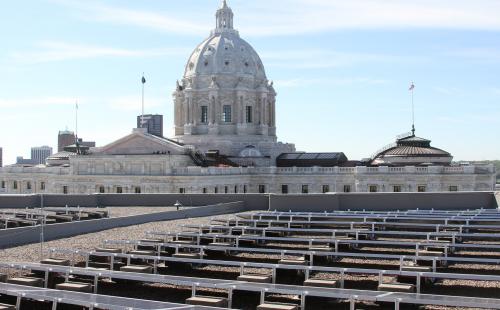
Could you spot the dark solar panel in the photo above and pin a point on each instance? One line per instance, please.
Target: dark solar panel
(328, 156)
(290, 155)
(309, 156)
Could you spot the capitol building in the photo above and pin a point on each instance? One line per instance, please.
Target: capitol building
(225, 142)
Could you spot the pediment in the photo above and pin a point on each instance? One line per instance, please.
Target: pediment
(139, 143)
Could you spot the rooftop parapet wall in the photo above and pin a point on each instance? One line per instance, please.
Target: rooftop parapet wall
(308, 202)
(195, 171)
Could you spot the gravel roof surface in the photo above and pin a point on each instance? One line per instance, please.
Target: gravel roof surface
(115, 211)
(31, 252)
(127, 211)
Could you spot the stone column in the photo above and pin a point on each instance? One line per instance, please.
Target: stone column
(186, 111)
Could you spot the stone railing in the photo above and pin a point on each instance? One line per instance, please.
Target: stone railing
(201, 171)
(194, 171)
(36, 170)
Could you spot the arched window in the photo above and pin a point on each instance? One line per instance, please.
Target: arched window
(226, 114)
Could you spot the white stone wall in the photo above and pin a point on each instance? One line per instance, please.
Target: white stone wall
(198, 179)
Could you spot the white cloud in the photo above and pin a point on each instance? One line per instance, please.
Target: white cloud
(50, 51)
(311, 16)
(292, 17)
(161, 21)
(133, 103)
(449, 91)
(323, 58)
(35, 102)
(478, 54)
(302, 82)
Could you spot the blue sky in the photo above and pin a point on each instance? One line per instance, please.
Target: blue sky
(341, 69)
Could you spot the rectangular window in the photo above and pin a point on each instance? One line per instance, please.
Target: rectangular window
(65, 190)
(421, 188)
(236, 189)
(137, 190)
(372, 188)
(204, 114)
(249, 114)
(204, 190)
(28, 186)
(42, 186)
(226, 114)
(262, 189)
(453, 188)
(284, 189)
(14, 186)
(101, 189)
(182, 190)
(347, 188)
(216, 190)
(326, 188)
(244, 189)
(3, 184)
(305, 189)
(226, 189)
(119, 190)
(396, 188)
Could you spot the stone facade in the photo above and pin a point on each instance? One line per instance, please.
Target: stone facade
(225, 102)
(169, 174)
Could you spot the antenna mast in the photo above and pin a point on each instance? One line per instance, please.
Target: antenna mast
(76, 121)
(143, 80)
(411, 89)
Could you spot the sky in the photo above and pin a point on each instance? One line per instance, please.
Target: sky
(341, 69)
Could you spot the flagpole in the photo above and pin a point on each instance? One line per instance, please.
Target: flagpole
(76, 120)
(142, 114)
(412, 89)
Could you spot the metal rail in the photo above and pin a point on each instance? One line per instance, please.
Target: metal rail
(454, 237)
(263, 288)
(270, 223)
(273, 267)
(90, 301)
(308, 253)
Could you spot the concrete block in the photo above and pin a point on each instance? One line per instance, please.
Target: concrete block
(142, 252)
(430, 253)
(137, 269)
(182, 242)
(276, 306)
(257, 278)
(152, 240)
(397, 287)
(54, 261)
(7, 307)
(187, 255)
(27, 281)
(75, 287)
(109, 250)
(221, 244)
(299, 261)
(416, 268)
(320, 248)
(321, 283)
(207, 301)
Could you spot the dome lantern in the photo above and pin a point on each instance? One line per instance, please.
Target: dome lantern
(224, 18)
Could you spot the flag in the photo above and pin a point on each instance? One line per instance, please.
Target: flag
(412, 87)
(143, 80)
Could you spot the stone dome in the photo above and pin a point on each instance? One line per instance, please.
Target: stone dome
(224, 52)
(412, 150)
(59, 159)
